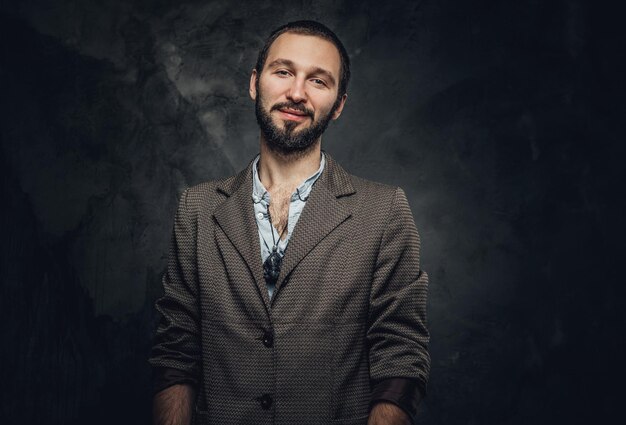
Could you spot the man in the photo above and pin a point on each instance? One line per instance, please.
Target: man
(293, 293)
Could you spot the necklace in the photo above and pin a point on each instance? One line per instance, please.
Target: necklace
(271, 266)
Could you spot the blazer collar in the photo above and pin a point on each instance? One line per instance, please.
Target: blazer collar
(322, 213)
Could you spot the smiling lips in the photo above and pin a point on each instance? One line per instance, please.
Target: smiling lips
(293, 114)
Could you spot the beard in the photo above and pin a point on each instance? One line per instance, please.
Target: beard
(288, 141)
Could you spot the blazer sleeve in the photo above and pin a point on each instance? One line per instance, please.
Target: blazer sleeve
(397, 332)
(176, 343)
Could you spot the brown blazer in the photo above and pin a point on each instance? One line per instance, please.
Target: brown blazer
(348, 311)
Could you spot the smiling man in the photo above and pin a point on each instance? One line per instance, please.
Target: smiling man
(293, 292)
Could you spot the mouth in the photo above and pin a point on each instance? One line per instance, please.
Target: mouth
(293, 114)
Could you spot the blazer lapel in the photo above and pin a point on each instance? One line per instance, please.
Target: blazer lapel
(236, 218)
(322, 213)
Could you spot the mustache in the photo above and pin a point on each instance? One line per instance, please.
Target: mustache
(295, 106)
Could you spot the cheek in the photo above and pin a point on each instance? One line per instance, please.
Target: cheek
(273, 87)
(325, 108)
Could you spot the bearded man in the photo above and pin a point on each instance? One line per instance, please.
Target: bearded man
(293, 291)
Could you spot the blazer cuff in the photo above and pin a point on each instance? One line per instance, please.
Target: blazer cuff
(403, 392)
(163, 377)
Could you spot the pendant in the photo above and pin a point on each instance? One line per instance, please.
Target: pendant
(271, 267)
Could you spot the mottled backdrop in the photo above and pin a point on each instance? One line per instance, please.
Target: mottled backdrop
(501, 120)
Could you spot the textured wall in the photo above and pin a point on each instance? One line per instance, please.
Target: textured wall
(499, 119)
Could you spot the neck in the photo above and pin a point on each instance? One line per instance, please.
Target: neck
(277, 171)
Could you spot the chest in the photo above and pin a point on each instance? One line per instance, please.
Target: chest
(279, 211)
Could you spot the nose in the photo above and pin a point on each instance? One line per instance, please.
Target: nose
(297, 92)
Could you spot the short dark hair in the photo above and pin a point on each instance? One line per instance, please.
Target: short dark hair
(309, 28)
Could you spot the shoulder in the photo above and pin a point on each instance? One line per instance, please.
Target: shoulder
(376, 193)
(202, 196)
(197, 192)
(375, 197)
(372, 187)
(202, 190)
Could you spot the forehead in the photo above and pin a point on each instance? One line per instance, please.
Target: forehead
(306, 51)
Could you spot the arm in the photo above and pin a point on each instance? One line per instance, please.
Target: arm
(174, 405)
(397, 334)
(384, 413)
(175, 355)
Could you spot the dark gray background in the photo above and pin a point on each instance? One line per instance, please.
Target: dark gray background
(501, 120)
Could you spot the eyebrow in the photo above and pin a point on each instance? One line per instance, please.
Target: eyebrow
(315, 70)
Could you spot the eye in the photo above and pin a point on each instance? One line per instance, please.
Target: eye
(318, 82)
(282, 72)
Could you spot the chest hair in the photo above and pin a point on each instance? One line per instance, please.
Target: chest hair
(279, 210)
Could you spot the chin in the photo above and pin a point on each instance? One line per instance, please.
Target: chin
(282, 124)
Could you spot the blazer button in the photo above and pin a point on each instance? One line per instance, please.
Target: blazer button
(268, 339)
(265, 400)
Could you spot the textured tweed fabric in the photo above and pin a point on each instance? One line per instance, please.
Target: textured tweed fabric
(349, 308)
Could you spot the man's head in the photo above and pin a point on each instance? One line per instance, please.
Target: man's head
(299, 84)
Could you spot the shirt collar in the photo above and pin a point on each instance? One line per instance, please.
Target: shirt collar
(260, 193)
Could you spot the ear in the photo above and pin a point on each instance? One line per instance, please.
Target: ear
(252, 89)
(342, 102)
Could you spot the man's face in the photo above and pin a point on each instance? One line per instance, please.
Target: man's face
(296, 92)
